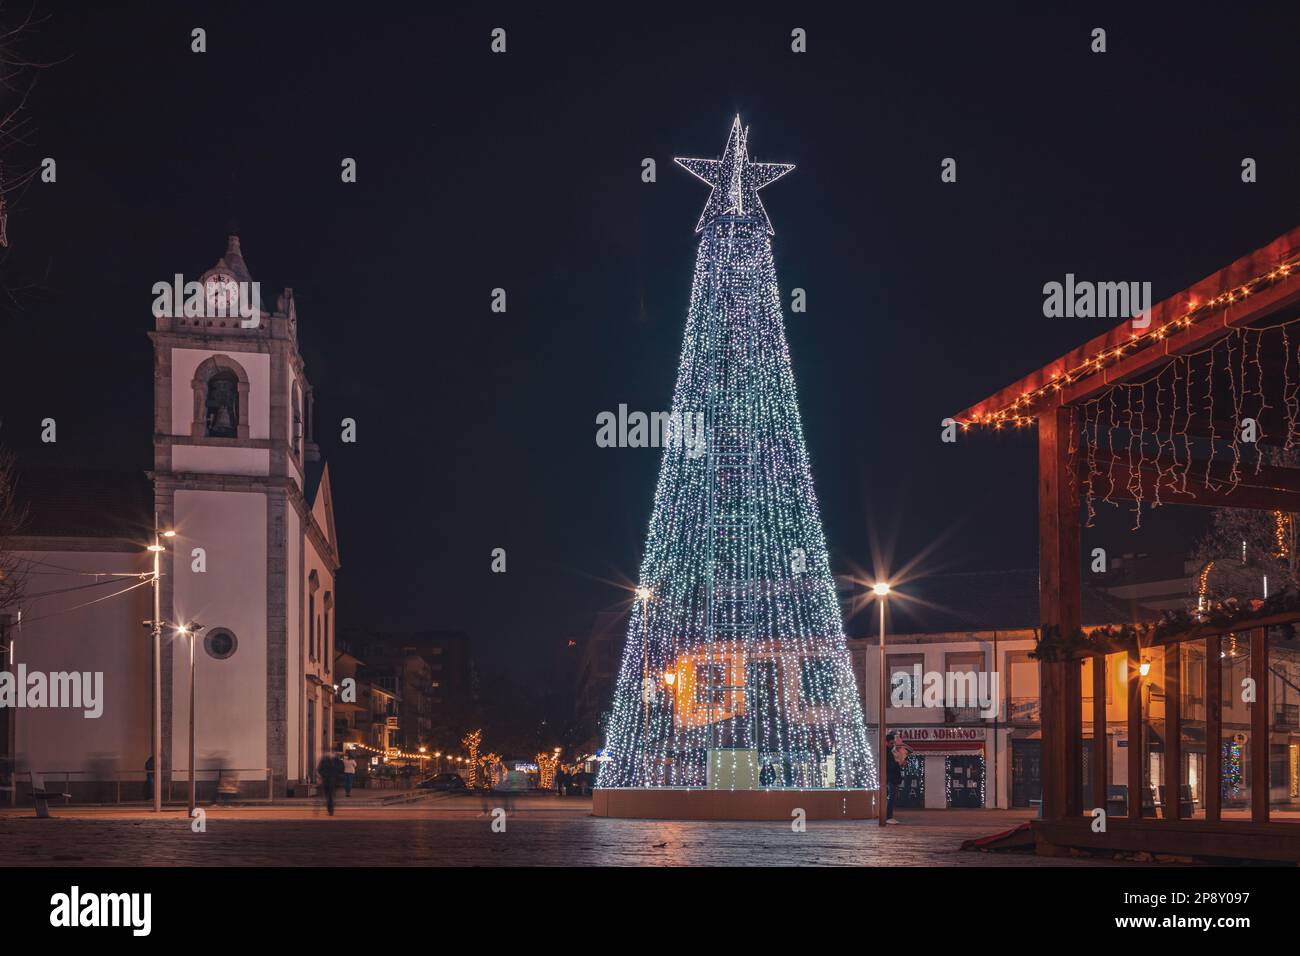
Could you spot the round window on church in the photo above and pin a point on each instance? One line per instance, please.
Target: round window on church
(220, 643)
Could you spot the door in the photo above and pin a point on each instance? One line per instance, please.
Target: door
(1026, 772)
(965, 778)
(911, 792)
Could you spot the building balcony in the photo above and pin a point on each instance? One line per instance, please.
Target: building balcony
(962, 715)
(1025, 710)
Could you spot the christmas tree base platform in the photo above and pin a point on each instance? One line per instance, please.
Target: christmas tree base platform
(672, 803)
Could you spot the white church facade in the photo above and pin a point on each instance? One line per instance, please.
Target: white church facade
(239, 479)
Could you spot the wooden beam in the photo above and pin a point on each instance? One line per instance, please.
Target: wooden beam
(1100, 738)
(1208, 328)
(1059, 607)
(1213, 726)
(1259, 727)
(1173, 731)
(1273, 489)
(1137, 780)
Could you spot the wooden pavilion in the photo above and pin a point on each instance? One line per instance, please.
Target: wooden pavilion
(1154, 724)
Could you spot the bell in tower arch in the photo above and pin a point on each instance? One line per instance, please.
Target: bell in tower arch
(223, 406)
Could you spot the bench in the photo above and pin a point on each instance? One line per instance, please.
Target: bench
(42, 796)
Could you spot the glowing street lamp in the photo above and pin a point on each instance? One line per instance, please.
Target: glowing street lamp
(881, 590)
(643, 594)
(191, 631)
(155, 626)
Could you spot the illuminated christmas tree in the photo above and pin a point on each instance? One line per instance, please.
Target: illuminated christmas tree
(736, 674)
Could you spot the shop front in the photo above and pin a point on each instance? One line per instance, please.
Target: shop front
(946, 767)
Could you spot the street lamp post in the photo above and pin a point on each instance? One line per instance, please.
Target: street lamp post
(643, 595)
(882, 592)
(192, 631)
(156, 627)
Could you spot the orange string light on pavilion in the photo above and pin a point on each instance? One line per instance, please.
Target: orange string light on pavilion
(1012, 414)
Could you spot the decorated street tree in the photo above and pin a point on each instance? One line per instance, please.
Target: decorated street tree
(471, 742)
(1248, 554)
(735, 673)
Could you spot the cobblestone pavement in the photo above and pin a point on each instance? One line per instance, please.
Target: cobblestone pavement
(454, 831)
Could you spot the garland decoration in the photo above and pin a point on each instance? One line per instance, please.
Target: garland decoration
(1229, 614)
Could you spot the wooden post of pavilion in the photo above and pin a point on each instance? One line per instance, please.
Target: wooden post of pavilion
(1059, 606)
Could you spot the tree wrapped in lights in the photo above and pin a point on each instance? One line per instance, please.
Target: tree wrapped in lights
(1249, 554)
(471, 742)
(546, 766)
(736, 674)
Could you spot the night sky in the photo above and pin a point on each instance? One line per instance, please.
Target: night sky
(477, 430)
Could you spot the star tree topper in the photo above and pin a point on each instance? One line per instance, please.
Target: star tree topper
(735, 180)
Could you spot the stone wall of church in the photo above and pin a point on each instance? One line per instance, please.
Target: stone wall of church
(231, 595)
(294, 644)
(101, 638)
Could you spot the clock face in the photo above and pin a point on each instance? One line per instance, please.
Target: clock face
(223, 294)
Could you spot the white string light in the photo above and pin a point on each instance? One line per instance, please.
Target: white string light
(735, 645)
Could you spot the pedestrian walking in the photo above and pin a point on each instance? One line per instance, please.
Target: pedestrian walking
(349, 774)
(148, 777)
(227, 786)
(328, 773)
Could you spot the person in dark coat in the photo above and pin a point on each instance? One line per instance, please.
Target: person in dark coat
(561, 782)
(329, 770)
(148, 777)
(895, 757)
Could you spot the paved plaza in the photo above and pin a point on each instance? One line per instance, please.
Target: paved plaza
(444, 830)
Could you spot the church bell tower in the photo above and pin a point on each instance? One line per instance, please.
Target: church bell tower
(235, 471)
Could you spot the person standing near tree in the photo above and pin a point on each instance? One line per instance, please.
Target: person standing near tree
(895, 757)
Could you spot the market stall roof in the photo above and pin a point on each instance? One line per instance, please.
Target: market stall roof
(1255, 288)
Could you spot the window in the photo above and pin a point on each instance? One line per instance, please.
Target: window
(220, 643)
(906, 679)
(817, 679)
(221, 406)
(297, 421)
(710, 680)
(220, 399)
(326, 645)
